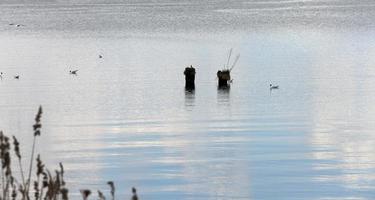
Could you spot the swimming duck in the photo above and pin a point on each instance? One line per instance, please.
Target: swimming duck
(73, 72)
(273, 87)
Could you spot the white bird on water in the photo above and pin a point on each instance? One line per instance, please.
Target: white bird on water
(16, 25)
(273, 87)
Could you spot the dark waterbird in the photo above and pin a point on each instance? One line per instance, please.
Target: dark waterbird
(73, 72)
(272, 87)
(17, 77)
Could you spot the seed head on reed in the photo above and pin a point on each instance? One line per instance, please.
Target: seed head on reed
(39, 166)
(101, 195)
(21, 190)
(85, 193)
(5, 156)
(6, 142)
(14, 193)
(64, 193)
(36, 189)
(37, 124)
(62, 174)
(61, 168)
(4, 146)
(135, 196)
(57, 179)
(45, 180)
(112, 186)
(8, 172)
(16, 147)
(6, 160)
(11, 180)
(1, 136)
(3, 149)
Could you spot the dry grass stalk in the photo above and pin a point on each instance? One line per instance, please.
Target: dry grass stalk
(18, 154)
(37, 126)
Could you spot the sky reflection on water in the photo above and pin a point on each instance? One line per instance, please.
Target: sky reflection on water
(127, 117)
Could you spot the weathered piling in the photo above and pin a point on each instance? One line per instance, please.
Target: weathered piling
(189, 77)
(223, 77)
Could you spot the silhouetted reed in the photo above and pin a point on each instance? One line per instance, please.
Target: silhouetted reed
(37, 126)
(101, 195)
(85, 194)
(18, 154)
(47, 185)
(112, 186)
(135, 196)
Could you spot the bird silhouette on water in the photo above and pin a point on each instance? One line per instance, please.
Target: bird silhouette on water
(73, 72)
(17, 77)
(16, 25)
(134, 197)
(273, 87)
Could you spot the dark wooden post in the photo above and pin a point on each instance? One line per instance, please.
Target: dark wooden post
(223, 77)
(189, 77)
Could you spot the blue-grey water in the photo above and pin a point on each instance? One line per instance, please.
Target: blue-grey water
(127, 118)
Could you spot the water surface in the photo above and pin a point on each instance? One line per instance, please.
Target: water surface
(127, 118)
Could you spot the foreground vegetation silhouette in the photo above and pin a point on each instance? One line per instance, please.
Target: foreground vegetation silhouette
(47, 185)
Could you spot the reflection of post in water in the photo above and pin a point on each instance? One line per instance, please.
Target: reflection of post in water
(223, 95)
(189, 78)
(189, 97)
(223, 75)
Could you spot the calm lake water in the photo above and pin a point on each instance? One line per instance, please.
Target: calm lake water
(127, 118)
